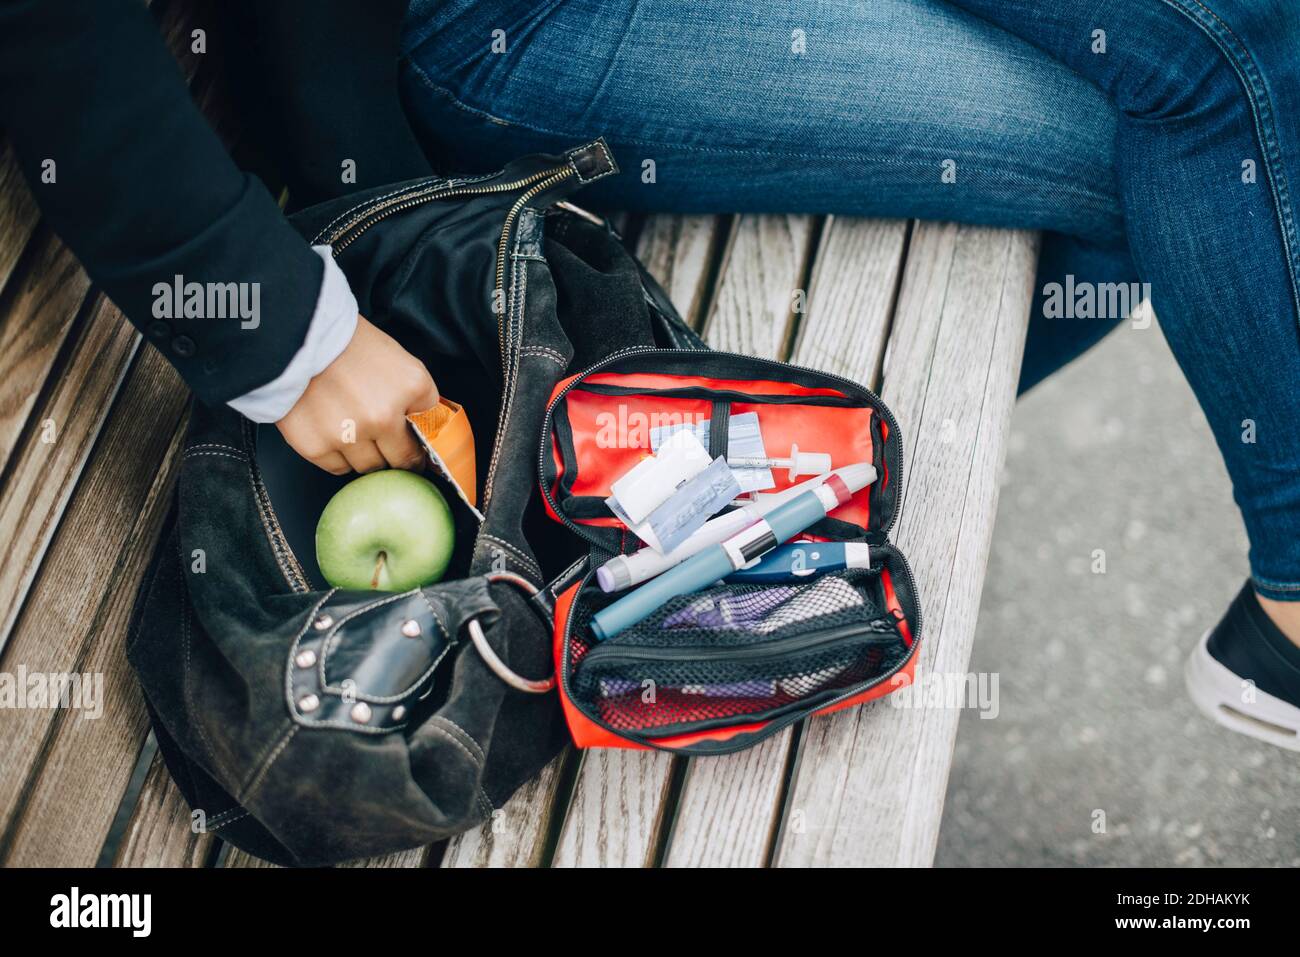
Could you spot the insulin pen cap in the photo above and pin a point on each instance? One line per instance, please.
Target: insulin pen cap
(857, 476)
(613, 575)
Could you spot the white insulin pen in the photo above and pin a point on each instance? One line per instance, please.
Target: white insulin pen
(719, 560)
(624, 571)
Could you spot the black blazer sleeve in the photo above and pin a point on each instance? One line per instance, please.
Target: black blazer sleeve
(142, 190)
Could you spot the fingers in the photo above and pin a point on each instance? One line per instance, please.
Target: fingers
(396, 441)
(400, 448)
(425, 393)
(352, 415)
(364, 456)
(332, 462)
(385, 423)
(307, 443)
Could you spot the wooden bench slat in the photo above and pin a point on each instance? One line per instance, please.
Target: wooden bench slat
(46, 472)
(869, 784)
(679, 252)
(159, 833)
(516, 835)
(234, 857)
(730, 805)
(73, 771)
(852, 296)
(399, 860)
(18, 213)
(416, 857)
(47, 296)
(617, 811)
(766, 262)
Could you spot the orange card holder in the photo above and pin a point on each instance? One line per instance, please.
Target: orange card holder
(444, 432)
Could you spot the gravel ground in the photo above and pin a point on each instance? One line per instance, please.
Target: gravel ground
(1094, 727)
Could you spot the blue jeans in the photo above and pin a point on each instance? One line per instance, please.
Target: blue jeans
(1151, 140)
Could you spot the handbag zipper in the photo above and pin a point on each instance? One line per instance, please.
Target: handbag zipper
(346, 234)
(548, 179)
(533, 185)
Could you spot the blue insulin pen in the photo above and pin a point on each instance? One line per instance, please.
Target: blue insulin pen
(789, 563)
(718, 561)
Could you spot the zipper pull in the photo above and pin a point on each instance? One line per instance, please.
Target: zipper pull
(884, 626)
(592, 161)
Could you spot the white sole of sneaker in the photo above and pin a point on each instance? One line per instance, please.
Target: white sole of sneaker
(1217, 691)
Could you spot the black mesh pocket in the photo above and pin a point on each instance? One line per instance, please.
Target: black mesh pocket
(739, 652)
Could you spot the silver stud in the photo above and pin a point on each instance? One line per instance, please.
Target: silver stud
(305, 658)
(361, 712)
(411, 628)
(308, 703)
(322, 622)
(399, 712)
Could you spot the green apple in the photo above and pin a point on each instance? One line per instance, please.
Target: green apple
(388, 531)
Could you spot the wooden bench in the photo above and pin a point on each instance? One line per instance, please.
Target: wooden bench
(931, 315)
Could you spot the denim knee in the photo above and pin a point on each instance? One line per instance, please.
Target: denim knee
(1199, 56)
(1182, 72)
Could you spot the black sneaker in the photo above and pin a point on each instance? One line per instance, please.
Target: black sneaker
(1245, 674)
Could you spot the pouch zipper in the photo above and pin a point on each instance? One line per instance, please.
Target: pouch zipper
(911, 586)
(606, 651)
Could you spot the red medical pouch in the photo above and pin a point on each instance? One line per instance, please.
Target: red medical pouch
(721, 669)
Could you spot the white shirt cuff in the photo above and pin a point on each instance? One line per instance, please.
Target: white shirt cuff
(330, 331)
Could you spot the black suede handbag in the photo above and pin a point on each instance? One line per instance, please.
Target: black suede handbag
(310, 725)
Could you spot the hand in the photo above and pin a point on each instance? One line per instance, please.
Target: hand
(373, 383)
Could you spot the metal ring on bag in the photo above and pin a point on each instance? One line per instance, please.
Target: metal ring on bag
(580, 212)
(490, 657)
